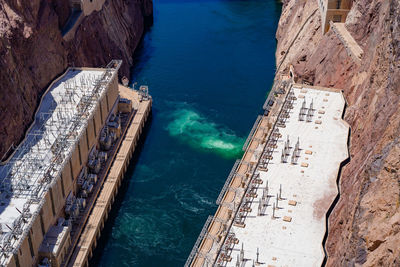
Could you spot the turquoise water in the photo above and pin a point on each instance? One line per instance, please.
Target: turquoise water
(209, 65)
(195, 130)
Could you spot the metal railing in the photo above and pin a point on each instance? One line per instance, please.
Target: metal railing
(198, 241)
(194, 251)
(227, 182)
(46, 174)
(253, 129)
(252, 175)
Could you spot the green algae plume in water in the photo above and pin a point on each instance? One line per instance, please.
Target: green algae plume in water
(196, 131)
(219, 57)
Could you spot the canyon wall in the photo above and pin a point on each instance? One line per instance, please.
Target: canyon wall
(33, 51)
(364, 226)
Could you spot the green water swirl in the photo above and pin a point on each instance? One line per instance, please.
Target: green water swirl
(198, 132)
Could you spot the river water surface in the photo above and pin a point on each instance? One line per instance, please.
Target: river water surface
(209, 65)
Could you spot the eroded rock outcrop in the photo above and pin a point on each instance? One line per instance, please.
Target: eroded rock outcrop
(33, 51)
(364, 226)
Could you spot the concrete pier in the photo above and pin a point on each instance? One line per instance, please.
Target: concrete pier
(352, 47)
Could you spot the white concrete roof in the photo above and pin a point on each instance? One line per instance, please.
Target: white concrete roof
(299, 242)
(60, 116)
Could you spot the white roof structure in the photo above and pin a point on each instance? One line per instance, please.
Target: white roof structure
(62, 117)
(303, 187)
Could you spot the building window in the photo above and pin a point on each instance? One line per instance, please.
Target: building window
(87, 139)
(17, 261)
(337, 18)
(62, 186)
(72, 171)
(30, 245)
(94, 127)
(108, 104)
(41, 223)
(101, 112)
(338, 4)
(52, 201)
(79, 153)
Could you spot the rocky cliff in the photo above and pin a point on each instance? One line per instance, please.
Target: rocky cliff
(364, 227)
(33, 51)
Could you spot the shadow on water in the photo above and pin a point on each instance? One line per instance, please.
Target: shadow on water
(123, 189)
(73, 18)
(143, 53)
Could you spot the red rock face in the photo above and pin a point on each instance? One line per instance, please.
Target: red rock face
(33, 52)
(364, 227)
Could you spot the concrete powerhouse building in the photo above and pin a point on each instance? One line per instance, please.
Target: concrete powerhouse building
(272, 209)
(47, 183)
(333, 10)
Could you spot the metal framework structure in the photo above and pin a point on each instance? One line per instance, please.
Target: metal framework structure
(195, 248)
(252, 180)
(227, 182)
(248, 197)
(38, 162)
(144, 92)
(253, 129)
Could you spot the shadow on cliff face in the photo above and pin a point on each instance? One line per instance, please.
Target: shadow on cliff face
(142, 54)
(73, 18)
(336, 200)
(39, 53)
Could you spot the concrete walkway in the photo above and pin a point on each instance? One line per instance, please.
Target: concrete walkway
(102, 206)
(352, 48)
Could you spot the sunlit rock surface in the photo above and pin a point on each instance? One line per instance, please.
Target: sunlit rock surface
(364, 226)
